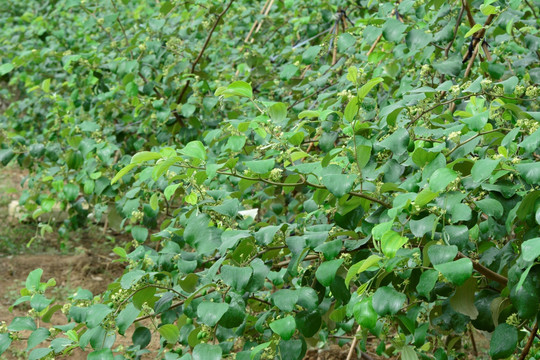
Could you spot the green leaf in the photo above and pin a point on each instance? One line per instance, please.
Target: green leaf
(393, 30)
(337, 183)
(126, 317)
(345, 41)
(365, 314)
(96, 314)
(131, 278)
(361, 266)
(441, 178)
(39, 335)
(490, 207)
(5, 341)
(503, 341)
(478, 121)
(229, 207)
(189, 283)
(39, 302)
(326, 272)
(530, 172)
(451, 67)
(352, 74)
(144, 156)
(307, 298)
(200, 235)
(397, 142)
(33, 280)
(170, 190)
(260, 166)
(257, 349)
(420, 227)
(277, 112)
(209, 313)
(22, 323)
(463, 299)
(40, 353)
(456, 271)
(194, 149)
(482, 169)
(440, 254)
(141, 337)
(285, 299)
(6, 68)
(427, 282)
(473, 30)
(391, 242)
(366, 88)
(132, 89)
(122, 172)
(284, 327)
(236, 277)
(103, 354)
(351, 110)
(207, 352)
(139, 233)
(166, 7)
(421, 157)
(363, 153)
(408, 353)
(424, 197)
(530, 249)
(169, 332)
(237, 88)
(310, 54)
(387, 301)
(308, 323)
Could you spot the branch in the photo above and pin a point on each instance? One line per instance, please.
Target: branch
(478, 40)
(180, 303)
(527, 347)
(303, 182)
(532, 8)
(205, 45)
(458, 22)
(492, 275)
(353, 345)
(471, 139)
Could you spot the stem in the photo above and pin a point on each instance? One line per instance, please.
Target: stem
(471, 139)
(471, 335)
(530, 341)
(205, 45)
(488, 273)
(180, 303)
(458, 22)
(353, 345)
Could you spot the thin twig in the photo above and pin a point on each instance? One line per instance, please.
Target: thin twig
(475, 350)
(471, 139)
(471, 60)
(485, 271)
(458, 22)
(255, 22)
(267, 11)
(353, 345)
(530, 341)
(180, 303)
(205, 45)
(374, 45)
(532, 8)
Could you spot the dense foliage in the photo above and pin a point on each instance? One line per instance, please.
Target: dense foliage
(292, 173)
